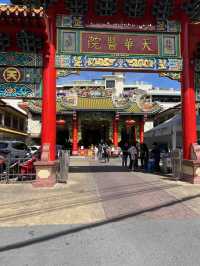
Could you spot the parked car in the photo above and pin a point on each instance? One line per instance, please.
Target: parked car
(33, 149)
(14, 149)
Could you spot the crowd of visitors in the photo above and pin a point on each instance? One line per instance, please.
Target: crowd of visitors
(149, 160)
(133, 156)
(102, 152)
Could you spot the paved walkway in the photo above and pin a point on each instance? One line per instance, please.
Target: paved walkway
(74, 224)
(98, 191)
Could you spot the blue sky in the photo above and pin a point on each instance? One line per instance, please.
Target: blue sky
(130, 77)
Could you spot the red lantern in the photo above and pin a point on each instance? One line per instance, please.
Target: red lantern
(129, 123)
(23, 105)
(60, 122)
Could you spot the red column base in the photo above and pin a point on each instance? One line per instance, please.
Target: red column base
(191, 171)
(45, 174)
(75, 153)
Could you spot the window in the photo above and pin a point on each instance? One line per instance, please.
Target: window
(21, 124)
(105, 7)
(33, 148)
(130, 88)
(166, 98)
(7, 120)
(110, 84)
(3, 145)
(19, 146)
(1, 117)
(15, 122)
(77, 7)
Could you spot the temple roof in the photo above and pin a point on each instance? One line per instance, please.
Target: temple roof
(97, 104)
(9, 10)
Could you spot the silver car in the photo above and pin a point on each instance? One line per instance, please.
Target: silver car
(13, 149)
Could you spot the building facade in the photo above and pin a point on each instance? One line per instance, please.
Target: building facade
(94, 111)
(13, 122)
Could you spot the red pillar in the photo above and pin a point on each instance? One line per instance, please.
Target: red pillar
(75, 135)
(188, 95)
(49, 90)
(141, 132)
(115, 132)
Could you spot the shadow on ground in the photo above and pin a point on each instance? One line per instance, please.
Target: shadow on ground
(119, 218)
(97, 169)
(84, 200)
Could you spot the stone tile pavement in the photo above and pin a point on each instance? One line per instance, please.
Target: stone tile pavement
(98, 191)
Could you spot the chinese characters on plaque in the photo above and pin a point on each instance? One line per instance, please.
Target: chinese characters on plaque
(107, 43)
(101, 43)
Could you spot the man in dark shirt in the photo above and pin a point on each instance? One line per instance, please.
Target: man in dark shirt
(124, 154)
(156, 156)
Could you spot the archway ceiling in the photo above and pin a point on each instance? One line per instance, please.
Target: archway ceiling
(162, 10)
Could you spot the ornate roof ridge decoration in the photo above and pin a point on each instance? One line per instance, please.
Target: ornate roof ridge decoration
(83, 103)
(137, 108)
(19, 10)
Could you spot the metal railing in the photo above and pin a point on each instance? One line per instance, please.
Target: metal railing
(17, 169)
(14, 170)
(63, 166)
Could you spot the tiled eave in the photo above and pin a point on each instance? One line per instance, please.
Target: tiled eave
(20, 11)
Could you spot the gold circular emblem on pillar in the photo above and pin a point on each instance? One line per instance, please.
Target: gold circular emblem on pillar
(11, 74)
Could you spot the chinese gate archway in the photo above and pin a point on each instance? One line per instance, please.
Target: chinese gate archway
(136, 36)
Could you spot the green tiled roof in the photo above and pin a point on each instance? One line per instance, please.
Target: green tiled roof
(97, 103)
(133, 108)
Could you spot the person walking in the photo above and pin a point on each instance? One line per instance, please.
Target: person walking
(132, 153)
(124, 154)
(144, 156)
(106, 152)
(100, 151)
(96, 153)
(137, 146)
(156, 156)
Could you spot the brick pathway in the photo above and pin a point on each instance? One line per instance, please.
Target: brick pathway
(98, 191)
(138, 194)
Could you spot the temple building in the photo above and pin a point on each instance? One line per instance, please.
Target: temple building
(115, 83)
(91, 111)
